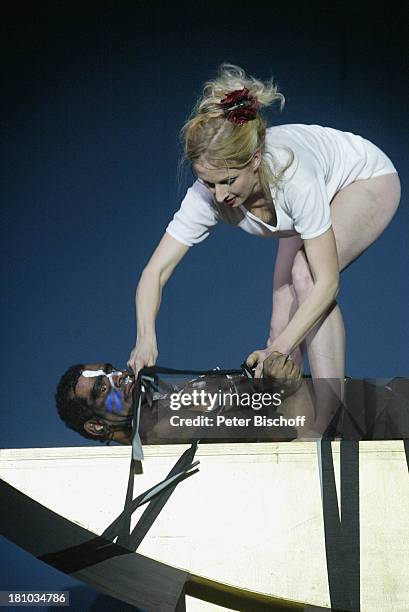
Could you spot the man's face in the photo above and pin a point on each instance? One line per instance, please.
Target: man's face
(107, 390)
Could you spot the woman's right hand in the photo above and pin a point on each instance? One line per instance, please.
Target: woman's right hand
(143, 355)
(148, 297)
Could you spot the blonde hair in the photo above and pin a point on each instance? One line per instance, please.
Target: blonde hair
(209, 135)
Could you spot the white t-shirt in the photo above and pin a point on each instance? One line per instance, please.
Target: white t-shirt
(325, 161)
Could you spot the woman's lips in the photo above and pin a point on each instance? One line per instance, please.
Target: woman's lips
(230, 202)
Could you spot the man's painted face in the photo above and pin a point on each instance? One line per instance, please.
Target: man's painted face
(107, 389)
(232, 186)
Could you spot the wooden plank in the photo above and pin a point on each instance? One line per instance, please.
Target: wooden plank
(111, 569)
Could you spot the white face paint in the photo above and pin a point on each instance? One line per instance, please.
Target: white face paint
(92, 373)
(110, 376)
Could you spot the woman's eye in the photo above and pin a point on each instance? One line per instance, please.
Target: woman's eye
(231, 181)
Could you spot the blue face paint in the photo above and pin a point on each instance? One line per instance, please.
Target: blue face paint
(114, 401)
(108, 402)
(118, 399)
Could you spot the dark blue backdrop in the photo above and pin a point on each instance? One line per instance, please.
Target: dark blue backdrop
(92, 105)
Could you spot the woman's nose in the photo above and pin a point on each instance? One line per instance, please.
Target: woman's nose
(221, 192)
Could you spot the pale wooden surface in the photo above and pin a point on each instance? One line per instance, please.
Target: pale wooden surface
(251, 517)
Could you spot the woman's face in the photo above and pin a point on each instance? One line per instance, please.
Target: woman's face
(230, 186)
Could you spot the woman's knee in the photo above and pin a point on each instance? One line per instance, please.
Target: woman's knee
(301, 275)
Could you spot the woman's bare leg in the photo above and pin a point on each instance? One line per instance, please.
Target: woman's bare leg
(360, 213)
(284, 306)
(327, 355)
(284, 299)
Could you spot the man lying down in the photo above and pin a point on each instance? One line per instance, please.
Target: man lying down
(97, 400)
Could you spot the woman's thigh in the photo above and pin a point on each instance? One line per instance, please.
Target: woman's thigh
(287, 250)
(361, 212)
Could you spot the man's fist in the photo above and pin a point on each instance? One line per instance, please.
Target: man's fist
(281, 367)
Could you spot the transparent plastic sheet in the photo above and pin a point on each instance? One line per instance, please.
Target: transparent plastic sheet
(232, 401)
(179, 406)
(376, 409)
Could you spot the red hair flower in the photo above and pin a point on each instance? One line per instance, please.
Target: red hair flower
(239, 106)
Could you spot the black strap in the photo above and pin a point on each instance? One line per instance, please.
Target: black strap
(156, 497)
(161, 370)
(182, 466)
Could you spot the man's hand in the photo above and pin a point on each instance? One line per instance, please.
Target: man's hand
(277, 365)
(273, 365)
(281, 367)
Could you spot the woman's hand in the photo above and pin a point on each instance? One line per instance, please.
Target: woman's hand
(256, 359)
(143, 355)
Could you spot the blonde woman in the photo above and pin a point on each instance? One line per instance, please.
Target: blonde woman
(326, 194)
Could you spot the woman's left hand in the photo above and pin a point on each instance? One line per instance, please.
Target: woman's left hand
(256, 358)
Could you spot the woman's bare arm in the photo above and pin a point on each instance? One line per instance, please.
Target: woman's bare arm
(148, 298)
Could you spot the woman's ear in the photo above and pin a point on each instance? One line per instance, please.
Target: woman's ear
(256, 159)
